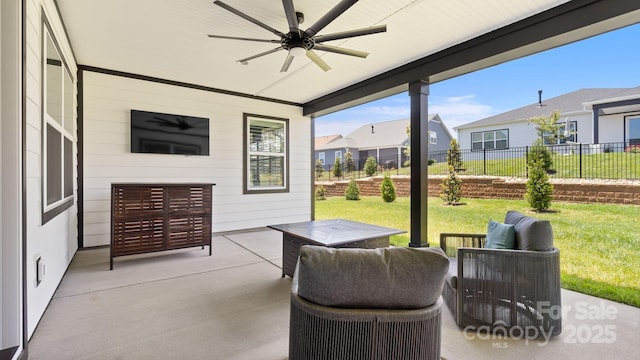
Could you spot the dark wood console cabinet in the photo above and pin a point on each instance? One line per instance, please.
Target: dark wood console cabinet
(156, 217)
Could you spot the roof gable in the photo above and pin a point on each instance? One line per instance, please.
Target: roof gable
(570, 102)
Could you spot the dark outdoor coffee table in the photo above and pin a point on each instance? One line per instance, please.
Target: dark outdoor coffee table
(336, 233)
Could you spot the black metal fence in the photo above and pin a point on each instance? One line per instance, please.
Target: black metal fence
(576, 160)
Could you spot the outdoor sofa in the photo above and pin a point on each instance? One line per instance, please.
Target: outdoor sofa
(506, 281)
(367, 303)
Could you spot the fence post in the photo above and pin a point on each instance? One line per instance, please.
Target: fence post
(484, 161)
(526, 161)
(580, 158)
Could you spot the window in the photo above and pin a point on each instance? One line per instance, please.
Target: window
(338, 155)
(490, 140)
(266, 155)
(564, 134)
(633, 130)
(433, 137)
(58, 121)
(321, 158)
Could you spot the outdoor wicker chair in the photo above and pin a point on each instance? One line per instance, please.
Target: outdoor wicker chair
(367, 303)
(514, 291)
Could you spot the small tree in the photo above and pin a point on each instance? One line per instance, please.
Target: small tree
(454, 156)
(337, 168)
(539, 190)
(352, 192)
(388, 189)
(348, 162)
(451, 188)
(547, 127)
(370, 166)
(319, 169)
(321, 193)
(407, 150)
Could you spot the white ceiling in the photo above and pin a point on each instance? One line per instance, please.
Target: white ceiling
(168, 39)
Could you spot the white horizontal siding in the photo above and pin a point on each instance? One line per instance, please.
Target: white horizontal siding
(56, 241)
(107, 157)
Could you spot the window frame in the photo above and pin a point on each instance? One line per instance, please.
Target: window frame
(338, 155)
(247, 153)
(321, 157)
(433, 138)
(494, 139)
(65, 127)
(627, 127)
(560, 138)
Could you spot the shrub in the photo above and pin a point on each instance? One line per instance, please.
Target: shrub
(539, 152)
(451, 188)
(634, 149)
(431, 162)
(388, 189)
(319, 169)
(370, 166)
(348, 162)
(539, 190)
(352, 192)
(337, 168)
(321, 193)
(454, 157)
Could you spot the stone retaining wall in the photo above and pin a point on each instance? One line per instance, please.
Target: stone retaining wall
(584, 191)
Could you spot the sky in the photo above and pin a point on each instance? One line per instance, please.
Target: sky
(610, 60)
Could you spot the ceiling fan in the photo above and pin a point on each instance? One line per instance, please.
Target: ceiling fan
(300, 42)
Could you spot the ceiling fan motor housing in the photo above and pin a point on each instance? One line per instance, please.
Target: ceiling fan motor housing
(294, 39)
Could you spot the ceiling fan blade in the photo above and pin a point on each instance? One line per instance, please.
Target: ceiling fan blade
(292, 18)
(245, 60)
(341, 50)
(351, 33)
(242, 38)
(330, 16)
(248, 18)
(316, 59)
(287, 62)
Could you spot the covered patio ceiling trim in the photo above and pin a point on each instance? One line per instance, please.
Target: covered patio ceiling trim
(513, 41)
(183, 84)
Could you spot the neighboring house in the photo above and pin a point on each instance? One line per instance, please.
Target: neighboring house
(322, 141)
(385, 141)
(588, 116)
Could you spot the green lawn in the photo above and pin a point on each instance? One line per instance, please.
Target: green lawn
(599, 243)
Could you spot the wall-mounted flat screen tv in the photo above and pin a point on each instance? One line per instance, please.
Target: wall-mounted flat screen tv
(159, 133)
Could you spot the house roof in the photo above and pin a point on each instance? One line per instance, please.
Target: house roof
(376, 135)
(381, 135)
(433, 40)
(322, 140)
(570, 102)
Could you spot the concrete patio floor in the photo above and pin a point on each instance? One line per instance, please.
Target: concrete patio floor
(235, 305)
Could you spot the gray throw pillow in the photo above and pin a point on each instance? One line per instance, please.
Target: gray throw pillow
(385, 278)
(500, 236)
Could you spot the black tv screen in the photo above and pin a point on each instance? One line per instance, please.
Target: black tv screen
(159, 133)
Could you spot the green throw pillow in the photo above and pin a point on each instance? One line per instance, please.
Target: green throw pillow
(500, 236)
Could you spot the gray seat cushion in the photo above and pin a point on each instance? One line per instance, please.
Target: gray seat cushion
(384, 278)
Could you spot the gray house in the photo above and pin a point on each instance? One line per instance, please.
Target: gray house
(588, 116)
(385, 141)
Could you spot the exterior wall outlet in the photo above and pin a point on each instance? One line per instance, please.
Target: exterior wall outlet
(39, 270)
